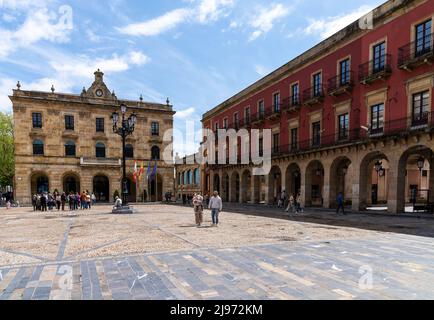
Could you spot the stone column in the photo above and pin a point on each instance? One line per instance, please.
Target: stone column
(396, 183)
(254, 189)
(326, 186)
(357, 205)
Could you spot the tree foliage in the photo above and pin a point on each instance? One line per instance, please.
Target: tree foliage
(6, 149)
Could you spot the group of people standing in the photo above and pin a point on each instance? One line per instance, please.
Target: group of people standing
(291, 203)
(58, 201)
(215, 204)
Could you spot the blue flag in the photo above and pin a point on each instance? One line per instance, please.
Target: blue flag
(148, 173)
(154, 172)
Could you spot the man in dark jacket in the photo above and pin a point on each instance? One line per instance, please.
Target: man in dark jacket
(340, 201)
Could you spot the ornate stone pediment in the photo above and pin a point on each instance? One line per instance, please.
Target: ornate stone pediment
(99, 89)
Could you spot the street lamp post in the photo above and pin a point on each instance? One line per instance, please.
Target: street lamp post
(124, 129)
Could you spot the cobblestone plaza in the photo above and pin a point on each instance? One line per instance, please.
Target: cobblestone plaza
(257, 253)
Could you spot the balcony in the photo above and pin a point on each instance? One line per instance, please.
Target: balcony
(313, 96)
(374, 70)
(274, 113)
(416, 53)
(100, 162)
(341, 84)
(291, 104)
(258, 118)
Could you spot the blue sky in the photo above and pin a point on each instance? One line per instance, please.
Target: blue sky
(196, 52)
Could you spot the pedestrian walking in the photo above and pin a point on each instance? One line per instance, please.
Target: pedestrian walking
(198, 209)
(340, 201)
(216, 206)
(298, 203)
(291, 205)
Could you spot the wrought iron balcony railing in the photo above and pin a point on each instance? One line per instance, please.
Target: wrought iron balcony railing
(398, 127)
(376, 69)
(341, 83)
(313, 95)
(416, 53)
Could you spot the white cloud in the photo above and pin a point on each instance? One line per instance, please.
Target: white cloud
(84, 66)
(6, 86)
(265, 19)
(212, 10)
(203, 11)
(40, 24)
(261, 70)
(139, 58)
(158, 25)
(67, 72)
(328, 26)
(185, 114)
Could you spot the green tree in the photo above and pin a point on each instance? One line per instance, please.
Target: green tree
(6, 149)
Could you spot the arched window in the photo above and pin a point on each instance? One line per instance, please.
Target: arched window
(38, 148)
(129, 151)
(155, 153)
(185, 178)
(196, 176)
(70, 150)
(189, 177)
(100, 150)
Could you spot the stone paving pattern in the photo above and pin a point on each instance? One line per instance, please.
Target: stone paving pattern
(305, 260)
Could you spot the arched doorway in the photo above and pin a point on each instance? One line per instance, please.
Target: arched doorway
(101, 188)
(71, 183)
(216, 184)
(39, 183)
(235, 187)
(156, 185)
(314, 184)
(246, 188)
(226, 186)
(274, 185)
(373, 187)
(293, 179)
(341, 180)
(132, 190)
(415, 180)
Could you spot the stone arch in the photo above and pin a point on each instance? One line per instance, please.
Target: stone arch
(408, 175)
(225, 187)
(367, 189)
(293, 179)
(235, 187)
(101, 187)
(39, 182)
(341, 179)
(246, 186)
(274, 185)
(156, 188)
(216, 183)
(132, 189)
(314, 184)
(71, 182)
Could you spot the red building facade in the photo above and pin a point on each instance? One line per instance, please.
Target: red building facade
(359, 98)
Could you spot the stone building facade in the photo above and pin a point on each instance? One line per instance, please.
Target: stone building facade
(65, 142)
(187, 177)
(354, 114)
